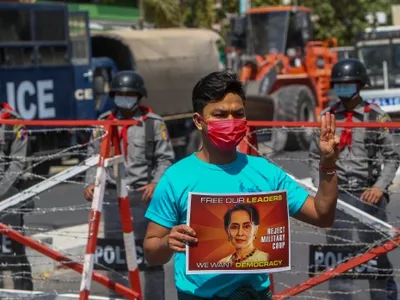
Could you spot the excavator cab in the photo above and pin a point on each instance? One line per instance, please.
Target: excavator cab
(272, 30)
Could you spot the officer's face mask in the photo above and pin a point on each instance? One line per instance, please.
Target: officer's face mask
(345, 91)
(126, 102)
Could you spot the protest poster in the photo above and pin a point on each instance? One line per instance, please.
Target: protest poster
(239, 233)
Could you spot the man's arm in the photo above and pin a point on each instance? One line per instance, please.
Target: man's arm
(313, 158)
(320, 210)
(156, 249)
(165, 235)
(163, 215)
(391, 160)
(17, 153)
(160, 242)
(164, 155)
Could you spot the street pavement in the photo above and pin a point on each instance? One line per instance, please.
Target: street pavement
(61, 214)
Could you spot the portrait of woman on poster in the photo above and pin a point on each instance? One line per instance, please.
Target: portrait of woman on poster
(241, 224)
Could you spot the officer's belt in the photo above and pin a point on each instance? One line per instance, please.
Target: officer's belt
(356, 185)
(131, 187)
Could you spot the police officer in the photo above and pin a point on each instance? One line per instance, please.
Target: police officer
(362, 181)
(13, 148)
(148, 153)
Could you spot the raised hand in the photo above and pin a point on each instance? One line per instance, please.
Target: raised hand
(328, 141)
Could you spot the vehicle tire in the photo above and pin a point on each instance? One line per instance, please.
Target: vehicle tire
(279, 136)
(194, 142)
(262, 109)
(296, 103)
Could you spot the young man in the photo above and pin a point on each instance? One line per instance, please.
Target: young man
(219, 106)
(364, 184)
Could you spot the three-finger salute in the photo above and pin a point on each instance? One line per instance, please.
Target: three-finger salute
(328, 141)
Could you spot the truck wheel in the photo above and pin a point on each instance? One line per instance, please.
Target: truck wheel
(262, 109)
(296, 103)
(279, 137)
(194, 142)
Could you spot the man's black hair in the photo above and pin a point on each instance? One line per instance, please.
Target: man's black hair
(249, 208)
(214, 87)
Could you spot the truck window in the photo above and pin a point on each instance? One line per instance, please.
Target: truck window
(14, 32)
(50, 25)
(79, 37)
(33, 36)
(14, 26)
(267, 32)
(50, 28)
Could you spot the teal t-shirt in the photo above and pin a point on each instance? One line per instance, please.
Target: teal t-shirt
(247, 174)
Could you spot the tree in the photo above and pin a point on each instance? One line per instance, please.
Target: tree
(199, 13)
(163, 13)
(342, 19)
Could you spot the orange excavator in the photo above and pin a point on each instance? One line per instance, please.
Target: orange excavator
(272, 50)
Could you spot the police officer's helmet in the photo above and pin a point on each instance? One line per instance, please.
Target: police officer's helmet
(128, 81)
(349, 70)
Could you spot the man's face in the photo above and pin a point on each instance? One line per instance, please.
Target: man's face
(241, 231)
(230, 107)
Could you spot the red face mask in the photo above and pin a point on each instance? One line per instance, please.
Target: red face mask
(226, 134)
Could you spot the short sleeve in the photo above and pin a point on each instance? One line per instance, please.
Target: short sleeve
(163, 208)
(296, 194)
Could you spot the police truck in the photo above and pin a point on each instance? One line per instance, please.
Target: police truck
(379, 49)
(53, 68)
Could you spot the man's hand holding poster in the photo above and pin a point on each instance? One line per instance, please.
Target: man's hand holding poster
(239, 233)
